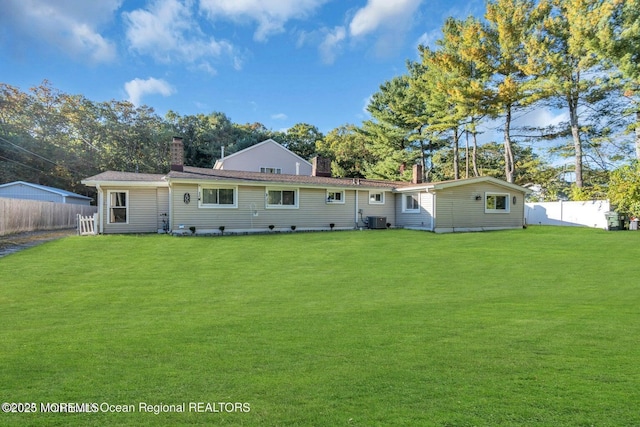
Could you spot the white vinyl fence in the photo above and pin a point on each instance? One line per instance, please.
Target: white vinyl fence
(581, 214)
(18, 215)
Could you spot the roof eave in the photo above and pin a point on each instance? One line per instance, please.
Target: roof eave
(449, 184)
(114, 183)
(250, 182)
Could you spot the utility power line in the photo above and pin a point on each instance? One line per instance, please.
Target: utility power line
(21, 164)
(38, 156)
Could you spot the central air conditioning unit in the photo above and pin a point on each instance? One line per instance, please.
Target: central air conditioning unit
(377, 222)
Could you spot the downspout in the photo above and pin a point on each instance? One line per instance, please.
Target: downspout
(170, 214)
(100, 210)
(433, 214)
(356, 211)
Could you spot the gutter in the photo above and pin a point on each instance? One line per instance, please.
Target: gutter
(126, 183)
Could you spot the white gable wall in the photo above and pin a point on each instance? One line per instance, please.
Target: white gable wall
(267, 154)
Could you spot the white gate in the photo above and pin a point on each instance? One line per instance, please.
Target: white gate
(87, 225)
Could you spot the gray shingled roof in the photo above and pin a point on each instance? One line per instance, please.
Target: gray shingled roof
(205, 174)
(126, 176)
(192, 173)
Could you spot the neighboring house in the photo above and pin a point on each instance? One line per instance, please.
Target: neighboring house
(29, 191)
(250, 201)
(265, 157)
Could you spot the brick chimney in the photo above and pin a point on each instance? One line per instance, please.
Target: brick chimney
(416, 178)
(321, 166)
(177, 154)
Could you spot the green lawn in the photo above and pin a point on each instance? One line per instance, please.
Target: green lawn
(535, 327)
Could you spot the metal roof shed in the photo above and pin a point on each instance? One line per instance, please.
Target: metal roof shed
(29, 191)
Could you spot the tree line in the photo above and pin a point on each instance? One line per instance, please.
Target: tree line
(576, 56)
(57, 139)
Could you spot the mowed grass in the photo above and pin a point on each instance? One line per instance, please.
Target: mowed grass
(535, 327)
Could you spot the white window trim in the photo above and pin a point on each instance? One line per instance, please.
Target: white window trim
(126, 192)
(294, 206)
(277, 171)
(404, 203)
(507, 197)
(203, 205)
(376, 202)
(335, 202)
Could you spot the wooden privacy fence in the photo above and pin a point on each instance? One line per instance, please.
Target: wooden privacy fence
(88, 225)
(17, 215)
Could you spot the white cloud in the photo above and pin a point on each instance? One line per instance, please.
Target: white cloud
(279, 116)
(542, 117)
(137, 88)
(270, 15)
(72, 26)
(365, 105)
(206, 67)
(429, 39)
(331, 44)
(168, 32)
(387, 20)
(386, 14)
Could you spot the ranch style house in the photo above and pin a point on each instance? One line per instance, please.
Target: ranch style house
(267, 188)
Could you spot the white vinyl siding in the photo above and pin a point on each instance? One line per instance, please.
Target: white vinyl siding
(252, 213)
(267, 154)
(162, 200)
(142, 210)
(386, 209)
(459, 208)
(420, 219)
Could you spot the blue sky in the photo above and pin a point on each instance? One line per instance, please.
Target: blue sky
(277, 62)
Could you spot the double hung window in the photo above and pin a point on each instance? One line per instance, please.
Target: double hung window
(118, 207)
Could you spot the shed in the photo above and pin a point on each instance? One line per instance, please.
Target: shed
(30, 191)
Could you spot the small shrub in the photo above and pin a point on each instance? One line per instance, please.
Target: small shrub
(192, 229)
(293, 228)
(332, 225)
(271, 227)
(221, 228)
